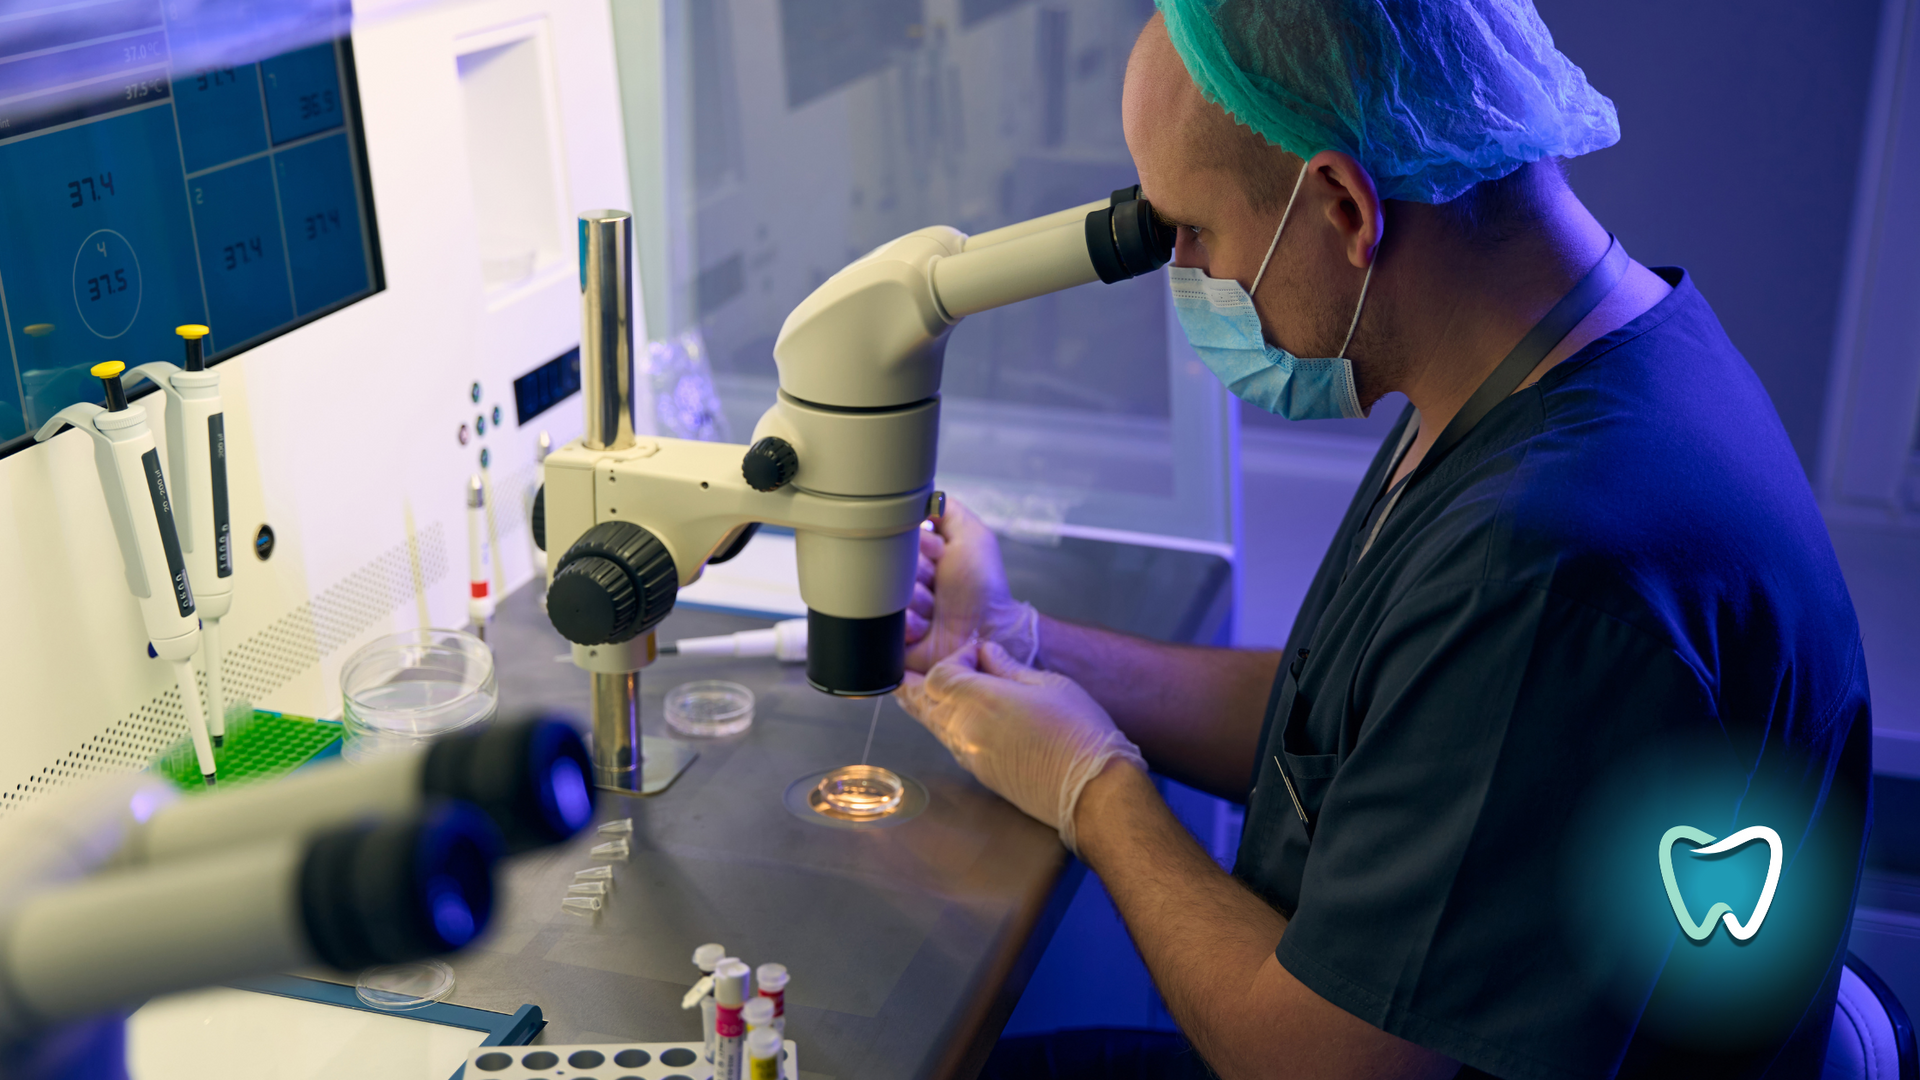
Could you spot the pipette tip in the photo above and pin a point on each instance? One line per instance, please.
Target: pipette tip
(209, 778)
(219, 741)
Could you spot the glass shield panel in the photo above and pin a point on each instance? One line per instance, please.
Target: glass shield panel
(774, 141)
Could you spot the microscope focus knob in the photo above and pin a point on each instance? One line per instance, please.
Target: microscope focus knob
(615, 583)
(770, 464)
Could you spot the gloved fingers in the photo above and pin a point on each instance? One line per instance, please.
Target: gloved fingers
(995, 660)
(912, 694)
(921, 603)
(936, 716)
(931, 548)
(959, 524)
(917, 626)
(953, 673)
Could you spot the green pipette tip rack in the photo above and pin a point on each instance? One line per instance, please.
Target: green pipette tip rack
(271, 744)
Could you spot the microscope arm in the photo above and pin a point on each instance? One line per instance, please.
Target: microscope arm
(845, 457)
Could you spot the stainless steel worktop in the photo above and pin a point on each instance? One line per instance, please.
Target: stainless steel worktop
(908, 943)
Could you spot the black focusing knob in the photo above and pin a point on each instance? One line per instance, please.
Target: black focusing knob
(770, 464)
(615, 583)
(592, 601)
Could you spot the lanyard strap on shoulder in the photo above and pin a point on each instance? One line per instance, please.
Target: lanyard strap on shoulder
(1547, 333)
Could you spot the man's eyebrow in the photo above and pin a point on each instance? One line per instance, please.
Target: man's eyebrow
(1170, 220)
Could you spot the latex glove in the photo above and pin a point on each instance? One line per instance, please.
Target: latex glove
(960, 595)
(1035, 737)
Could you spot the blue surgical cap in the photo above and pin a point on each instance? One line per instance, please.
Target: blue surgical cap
(1431, 96)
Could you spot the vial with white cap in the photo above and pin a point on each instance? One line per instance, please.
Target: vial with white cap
(706, 958)
(773, 987)
(729, 996)
(758, 1013)
(763, 1054)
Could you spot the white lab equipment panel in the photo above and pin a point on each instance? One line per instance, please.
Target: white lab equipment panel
(487, 127)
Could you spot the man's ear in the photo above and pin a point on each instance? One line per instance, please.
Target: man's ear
(1353, 204)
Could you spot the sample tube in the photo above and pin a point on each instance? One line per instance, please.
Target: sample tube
(763, 1054)
(479, 558)
(773, 986)
(729, 1029)
(706, 958)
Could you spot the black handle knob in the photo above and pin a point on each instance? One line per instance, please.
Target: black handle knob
(770, 464)
(615, 583)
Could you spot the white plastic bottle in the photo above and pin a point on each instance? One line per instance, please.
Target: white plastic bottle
(706, 958)
(730, 1030)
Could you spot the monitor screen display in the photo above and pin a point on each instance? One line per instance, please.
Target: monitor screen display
(235, 197)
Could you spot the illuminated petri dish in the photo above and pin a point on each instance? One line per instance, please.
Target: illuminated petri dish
(858, 792)
(709, 708)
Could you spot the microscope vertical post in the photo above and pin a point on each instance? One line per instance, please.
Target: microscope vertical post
(622, 759)
(606, 327)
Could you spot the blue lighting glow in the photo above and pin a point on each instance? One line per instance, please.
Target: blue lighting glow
(452, 917)
(570, 795)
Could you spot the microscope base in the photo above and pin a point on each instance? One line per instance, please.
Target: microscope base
(661, 763)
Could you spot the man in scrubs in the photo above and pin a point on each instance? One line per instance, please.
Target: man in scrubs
(1581, 620)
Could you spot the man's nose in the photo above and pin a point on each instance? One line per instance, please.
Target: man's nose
(1187, 250)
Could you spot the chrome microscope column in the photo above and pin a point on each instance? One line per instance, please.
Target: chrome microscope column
(623, 760)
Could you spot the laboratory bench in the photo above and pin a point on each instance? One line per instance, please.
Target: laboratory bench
(909, 941)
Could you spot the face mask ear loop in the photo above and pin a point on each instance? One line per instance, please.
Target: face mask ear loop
(1275, 242)
(1361, 306)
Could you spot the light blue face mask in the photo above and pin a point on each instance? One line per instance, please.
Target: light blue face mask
(1221, 322)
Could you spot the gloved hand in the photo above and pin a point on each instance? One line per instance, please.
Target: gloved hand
(961, 594)
(1035, 737)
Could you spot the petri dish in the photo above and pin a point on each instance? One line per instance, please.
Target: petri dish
(405, 987)
(858, 792)
(406, 689)
(709, 708)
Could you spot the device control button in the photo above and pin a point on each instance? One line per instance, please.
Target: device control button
(770, 464)
(592, 601)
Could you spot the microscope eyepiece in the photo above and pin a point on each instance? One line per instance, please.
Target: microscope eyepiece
(1125, 239)
(530, 778)
(399, 891)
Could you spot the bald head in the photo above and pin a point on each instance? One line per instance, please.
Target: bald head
(1167, 120)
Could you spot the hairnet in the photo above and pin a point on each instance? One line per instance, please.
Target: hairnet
(1431, 96)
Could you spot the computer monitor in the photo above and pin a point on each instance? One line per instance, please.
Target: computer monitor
(235, 197)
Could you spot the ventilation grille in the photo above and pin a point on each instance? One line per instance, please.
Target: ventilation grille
(256, 667)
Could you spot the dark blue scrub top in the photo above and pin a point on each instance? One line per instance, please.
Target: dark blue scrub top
(1613, 609)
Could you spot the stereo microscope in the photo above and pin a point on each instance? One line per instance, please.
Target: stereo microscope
(844, 458)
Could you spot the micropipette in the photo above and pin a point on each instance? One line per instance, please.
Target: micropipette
(197, 454)
(784, 641)
(142, 513)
